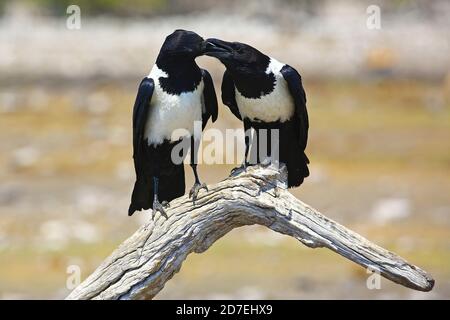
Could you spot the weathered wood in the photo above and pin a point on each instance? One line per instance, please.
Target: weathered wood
(140, 267)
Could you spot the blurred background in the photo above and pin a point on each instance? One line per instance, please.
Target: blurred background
(379, 105)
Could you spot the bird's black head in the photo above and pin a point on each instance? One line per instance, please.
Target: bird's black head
(181, 44)
(236, 56)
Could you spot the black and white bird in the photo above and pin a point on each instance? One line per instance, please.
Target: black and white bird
(265, 94)
(175, 95)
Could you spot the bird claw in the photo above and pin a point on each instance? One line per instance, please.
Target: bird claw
(276, 192)
(165, 204)
(195, 190)
(238, 170)
(266, 162)
(157, 206)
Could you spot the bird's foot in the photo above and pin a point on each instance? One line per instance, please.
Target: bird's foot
(266, 162)
(165, 204)
(238, 170)
(195, 190)
(157, 206)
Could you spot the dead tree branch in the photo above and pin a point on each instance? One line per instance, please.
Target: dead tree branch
(140, 266)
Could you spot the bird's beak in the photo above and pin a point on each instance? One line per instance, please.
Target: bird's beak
(217, 48)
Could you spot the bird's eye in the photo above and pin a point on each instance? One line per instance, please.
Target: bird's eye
(239, 50)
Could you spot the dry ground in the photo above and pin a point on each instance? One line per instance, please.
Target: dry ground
(380, 154)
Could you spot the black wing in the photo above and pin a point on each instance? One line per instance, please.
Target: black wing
(228, 94)
(140, 114)
(210, 99)
(295, 86)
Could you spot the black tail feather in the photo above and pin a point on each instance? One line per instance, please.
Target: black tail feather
(291, 148)
(297, 169)
(292, 153)
(171, 186)
(142, 197)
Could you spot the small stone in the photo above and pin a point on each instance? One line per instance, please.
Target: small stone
(25, 157)
(391, 209)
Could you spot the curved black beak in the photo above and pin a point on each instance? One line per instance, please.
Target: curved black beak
(217, 48)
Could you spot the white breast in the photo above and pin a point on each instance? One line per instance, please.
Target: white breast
(169, 113)
(277, 105)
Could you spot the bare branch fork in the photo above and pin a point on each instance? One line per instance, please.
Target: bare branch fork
(140, 266)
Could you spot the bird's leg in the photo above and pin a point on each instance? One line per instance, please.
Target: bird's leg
(267, 161)
(243, 166)
(258, 145)
(157, 206)
(197, 184)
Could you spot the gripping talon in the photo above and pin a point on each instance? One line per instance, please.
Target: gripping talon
(238, 170)
(193, 193)
(266, 162)
(158, 207)
(165, 204)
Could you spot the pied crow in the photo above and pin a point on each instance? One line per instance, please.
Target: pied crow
(265, 94)
(175, 94)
